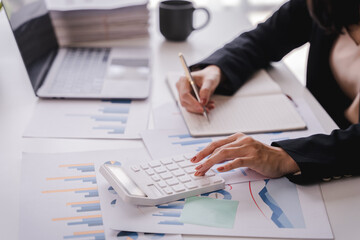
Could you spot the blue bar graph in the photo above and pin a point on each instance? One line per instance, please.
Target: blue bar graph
(91, 193)
(115, 109)
(115, 129)
(85, 179)
(168, 214)
(180, 136)
(94, 236)
(122, 119)
(174, 205)
(87, 207)
(168, 222)
(88, 221)
(87, 168)
(194, 142)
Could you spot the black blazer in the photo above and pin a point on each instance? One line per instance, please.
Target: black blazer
(319, 156)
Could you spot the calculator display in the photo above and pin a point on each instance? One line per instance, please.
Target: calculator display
(125, 181)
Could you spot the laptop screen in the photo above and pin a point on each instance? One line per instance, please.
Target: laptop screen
(34, 34)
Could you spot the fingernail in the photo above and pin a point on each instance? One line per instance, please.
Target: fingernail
(196, 173)
(193, 159)
(220, 168)
(203, 101)
(198, 167)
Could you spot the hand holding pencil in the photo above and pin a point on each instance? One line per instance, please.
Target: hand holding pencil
(192, 99)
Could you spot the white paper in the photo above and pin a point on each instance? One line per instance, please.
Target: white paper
(272, 208)
(46, 212)
(258, 106)
(108, 119)
(168, 116)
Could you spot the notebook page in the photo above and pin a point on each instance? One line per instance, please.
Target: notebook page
(268, 113)
(259, 84)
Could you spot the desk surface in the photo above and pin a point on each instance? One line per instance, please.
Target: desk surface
(17, 101)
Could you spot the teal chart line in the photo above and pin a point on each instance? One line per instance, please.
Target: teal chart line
(287, 214)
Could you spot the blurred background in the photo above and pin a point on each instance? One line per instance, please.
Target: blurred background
(258, 11)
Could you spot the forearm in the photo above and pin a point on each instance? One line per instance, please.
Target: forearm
(288, 28)
(323, 156)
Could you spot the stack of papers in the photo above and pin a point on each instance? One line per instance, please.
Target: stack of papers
(81, 22)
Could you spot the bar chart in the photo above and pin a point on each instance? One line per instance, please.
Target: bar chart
(68, 191)
(89, 119)
(60, 199)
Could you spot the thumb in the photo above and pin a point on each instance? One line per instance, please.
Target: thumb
(205, 92)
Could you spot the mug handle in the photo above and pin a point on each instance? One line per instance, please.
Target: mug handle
(207, 20)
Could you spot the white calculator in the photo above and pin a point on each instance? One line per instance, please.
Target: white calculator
(157, 182)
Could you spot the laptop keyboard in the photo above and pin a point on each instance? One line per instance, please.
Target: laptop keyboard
(81, 71)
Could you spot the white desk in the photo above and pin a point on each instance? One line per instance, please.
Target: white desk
(17, 101)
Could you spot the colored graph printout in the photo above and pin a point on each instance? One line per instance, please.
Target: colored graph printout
(60, 198)
(272, 208)
(119, 119)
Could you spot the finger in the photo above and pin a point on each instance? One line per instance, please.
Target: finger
(187, 100)
(205, 92)
(221, 156)
(236, 163)
(192, 105)
(211, 147)
(240, 142)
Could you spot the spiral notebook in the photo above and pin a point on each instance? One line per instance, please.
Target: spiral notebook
(258, 106)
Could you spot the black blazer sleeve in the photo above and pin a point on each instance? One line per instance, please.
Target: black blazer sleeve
(323, 156)
(286, 29)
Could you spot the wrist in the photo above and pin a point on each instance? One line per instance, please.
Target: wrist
(287, 163)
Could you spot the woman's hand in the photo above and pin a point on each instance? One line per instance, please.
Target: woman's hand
(207, 80)
(244, 151)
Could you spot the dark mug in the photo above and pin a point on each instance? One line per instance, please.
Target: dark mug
(176, 19)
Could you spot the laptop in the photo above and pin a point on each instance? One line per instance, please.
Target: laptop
(65, 72)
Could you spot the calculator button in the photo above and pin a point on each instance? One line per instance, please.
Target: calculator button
(178, 173)
(155, 178)
(172, 167)
(178, 188)
(135, 168)
(166, 175)
(172, 182)
(210, 173)
(191, 185)
(190, 170)
(154, 164)
(168, 190)
(160, 170)
(166, 161)
(162, 184)
(144, 166)
(185, 179)
(185, 164)
(178, 158)
(204, 182)
(216, 179)
(150, 172)
(196, 177)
